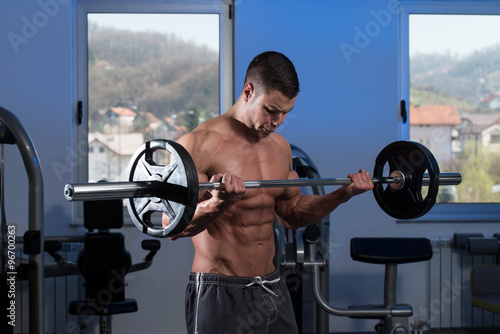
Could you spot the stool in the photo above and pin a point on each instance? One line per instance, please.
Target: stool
(390, 252)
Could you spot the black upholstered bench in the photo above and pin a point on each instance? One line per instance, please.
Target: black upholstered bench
(389, 252)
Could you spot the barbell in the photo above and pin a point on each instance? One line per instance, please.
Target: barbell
(156, 186)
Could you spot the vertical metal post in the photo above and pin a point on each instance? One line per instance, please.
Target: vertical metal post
(304, 165)
(321, 314)
(322, 317)
(36, 212)
(391, 272)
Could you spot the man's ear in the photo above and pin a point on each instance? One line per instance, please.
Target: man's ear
(248, 91)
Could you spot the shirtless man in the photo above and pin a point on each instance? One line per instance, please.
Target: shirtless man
(234, 287)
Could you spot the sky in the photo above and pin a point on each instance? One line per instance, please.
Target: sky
(202, 29)
(459, 34)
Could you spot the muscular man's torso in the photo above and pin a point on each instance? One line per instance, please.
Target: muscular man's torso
(241, 241)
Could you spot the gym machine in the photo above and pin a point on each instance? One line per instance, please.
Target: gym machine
(97, 216)
(12, 132)
(307, 252)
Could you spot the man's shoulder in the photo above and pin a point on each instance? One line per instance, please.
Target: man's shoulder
(212, 126)
(202, 136)
(205, 135)
(281, 141)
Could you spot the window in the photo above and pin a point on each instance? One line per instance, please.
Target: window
(451, 77)
(147, 79)
(146, 72)
(495, 139)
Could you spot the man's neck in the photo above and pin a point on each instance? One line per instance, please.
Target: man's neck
(242, 124)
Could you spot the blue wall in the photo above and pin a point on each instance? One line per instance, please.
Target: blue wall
(343, 96)
(346, 112)
(347, 57)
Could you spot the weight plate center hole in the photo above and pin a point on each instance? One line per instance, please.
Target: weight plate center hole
(398, 185)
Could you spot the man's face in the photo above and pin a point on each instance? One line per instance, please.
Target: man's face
(268, 111)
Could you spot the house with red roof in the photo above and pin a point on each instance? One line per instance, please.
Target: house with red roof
(435, 127)
(492, 101)
(481, 130)
(112, 153)
(113, 120)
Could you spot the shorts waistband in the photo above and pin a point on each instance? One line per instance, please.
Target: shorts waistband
(232, 280)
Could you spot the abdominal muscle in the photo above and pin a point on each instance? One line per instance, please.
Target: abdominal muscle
(239, 243)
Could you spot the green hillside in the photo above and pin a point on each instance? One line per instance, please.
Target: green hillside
(460, 81)
(420, 97)
(151, 72)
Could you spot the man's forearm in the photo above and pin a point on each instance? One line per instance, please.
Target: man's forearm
(206, 213)
(310, 209)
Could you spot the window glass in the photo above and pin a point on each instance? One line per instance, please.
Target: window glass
(150, 76)
(455, 99)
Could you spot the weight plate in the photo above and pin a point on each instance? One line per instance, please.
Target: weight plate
(413, 160)
(178, 195)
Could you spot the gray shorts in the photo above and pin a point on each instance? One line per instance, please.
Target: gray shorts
(218, 304)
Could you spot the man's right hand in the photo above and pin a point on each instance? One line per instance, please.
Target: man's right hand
(361, 182)
(231, 190)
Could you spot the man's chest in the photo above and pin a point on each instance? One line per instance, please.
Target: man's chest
(251, 162)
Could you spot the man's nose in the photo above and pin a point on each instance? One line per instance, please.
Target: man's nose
(277, 119)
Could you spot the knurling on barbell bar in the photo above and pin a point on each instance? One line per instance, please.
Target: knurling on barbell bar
(172, 188)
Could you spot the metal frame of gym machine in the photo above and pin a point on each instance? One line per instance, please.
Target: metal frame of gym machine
(290, 245)
(301, 253)
(34, 236)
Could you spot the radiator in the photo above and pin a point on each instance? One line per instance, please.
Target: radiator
(59, 291)
(449, 296)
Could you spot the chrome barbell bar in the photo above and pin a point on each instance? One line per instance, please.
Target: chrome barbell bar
(444, 179)
(136, 189)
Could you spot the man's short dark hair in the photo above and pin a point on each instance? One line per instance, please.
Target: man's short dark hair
(273, 71)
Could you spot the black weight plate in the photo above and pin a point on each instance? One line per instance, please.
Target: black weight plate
(179, 194)
(413, 160)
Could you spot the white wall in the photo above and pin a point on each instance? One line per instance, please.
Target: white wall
(345, 114)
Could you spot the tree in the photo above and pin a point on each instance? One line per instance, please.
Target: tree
(477, 184)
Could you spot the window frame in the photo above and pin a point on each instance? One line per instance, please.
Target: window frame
(442, 212)
(225, 10)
